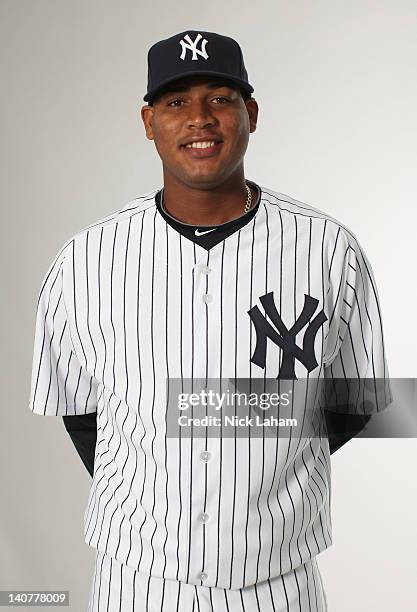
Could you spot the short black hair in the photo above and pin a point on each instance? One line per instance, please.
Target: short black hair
(244, 93)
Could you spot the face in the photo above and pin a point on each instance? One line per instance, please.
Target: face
(203, 109)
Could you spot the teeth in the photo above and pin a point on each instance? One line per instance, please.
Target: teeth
(200, 145)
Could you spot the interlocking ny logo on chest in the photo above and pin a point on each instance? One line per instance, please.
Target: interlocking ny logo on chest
(284, 337)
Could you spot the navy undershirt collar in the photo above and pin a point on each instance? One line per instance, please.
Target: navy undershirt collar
(209, 240)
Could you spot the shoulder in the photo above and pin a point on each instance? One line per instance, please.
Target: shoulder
(120, 215)
(331, 229)
(61, 260)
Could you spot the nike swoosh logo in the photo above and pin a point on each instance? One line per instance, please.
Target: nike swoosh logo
(199, 233)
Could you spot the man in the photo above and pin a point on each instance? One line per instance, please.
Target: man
(210, 277)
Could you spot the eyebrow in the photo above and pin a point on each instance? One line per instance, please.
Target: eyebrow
(211, 85)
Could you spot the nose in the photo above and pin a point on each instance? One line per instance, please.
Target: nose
(200, 115)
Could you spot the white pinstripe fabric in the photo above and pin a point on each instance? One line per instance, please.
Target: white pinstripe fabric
(118, 588)
(122, 307)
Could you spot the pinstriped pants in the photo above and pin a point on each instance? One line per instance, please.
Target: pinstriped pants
(118, 588)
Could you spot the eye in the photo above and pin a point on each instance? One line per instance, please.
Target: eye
(172, 102)
(221, 98)
(177, 102)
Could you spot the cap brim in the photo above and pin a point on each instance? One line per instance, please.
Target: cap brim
(153, 92)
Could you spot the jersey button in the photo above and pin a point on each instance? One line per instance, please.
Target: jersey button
(203, 517)
(207, 297)
(205, 456)
(202, 576)
(205, 269)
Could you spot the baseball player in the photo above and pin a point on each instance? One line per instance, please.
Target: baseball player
(211, 276)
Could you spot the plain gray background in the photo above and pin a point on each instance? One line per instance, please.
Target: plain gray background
(337, 90)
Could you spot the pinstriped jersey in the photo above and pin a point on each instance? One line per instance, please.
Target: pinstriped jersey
(129, 302)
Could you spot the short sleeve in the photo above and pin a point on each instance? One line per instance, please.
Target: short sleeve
(60, 386)
(356, 374)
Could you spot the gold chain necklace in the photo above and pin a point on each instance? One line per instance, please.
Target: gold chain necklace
(248, 201)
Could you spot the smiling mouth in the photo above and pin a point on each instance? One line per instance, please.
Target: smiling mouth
(202, 149)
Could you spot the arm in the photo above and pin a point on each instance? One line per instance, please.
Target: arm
(342, 427)
(356, 381)
(83, 432)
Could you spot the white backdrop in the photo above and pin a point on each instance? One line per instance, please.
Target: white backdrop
(337, 90)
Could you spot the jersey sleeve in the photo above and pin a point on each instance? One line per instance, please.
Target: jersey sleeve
(356, 373)
(60, 386)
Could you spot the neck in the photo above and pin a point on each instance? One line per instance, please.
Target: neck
(208, 205)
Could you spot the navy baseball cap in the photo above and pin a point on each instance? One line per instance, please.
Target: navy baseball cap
(195, 52)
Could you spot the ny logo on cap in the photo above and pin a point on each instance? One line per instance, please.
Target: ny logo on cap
(192, 46)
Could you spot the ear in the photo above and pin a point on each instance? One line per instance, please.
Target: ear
(147, 118)
(253, 109)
